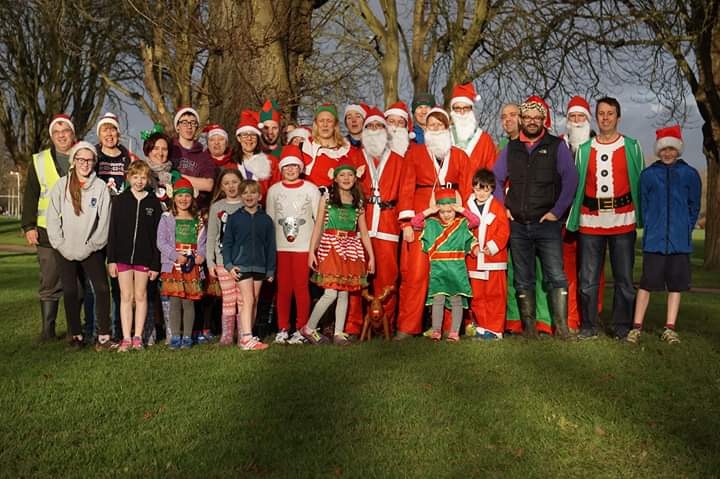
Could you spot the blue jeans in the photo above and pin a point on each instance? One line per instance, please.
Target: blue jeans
(592, 260)
(545, 240)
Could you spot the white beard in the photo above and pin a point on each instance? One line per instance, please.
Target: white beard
(465, 124)
(438, 142)
(399, 139)
(374, 142)
(577, 134)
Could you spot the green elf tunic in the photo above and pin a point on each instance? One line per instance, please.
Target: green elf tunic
(446, 246)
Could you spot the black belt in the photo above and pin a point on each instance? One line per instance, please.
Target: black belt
(384, 205)
(450, 186)
(607, 203)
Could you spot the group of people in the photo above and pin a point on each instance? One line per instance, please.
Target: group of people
(420, 206)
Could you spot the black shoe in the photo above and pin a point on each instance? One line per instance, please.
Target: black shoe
(586, 334)
(76, 344)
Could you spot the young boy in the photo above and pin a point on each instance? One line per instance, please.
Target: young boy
(447, 240)
(488, 272)
(292, 204)
(670, 202)
(249, 255)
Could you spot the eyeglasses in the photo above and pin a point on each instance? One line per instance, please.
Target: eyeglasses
(186, 123)
(86, 161)
(246, 136)
(462, 108)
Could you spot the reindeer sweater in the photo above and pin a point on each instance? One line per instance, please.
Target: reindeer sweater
(289, 205)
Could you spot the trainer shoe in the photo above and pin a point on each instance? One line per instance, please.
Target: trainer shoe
(313, 336)
(633, 336)
(487, 336)
(428, 333)
(670, 336)
(252, 344)
(137, 343)
(471, 330)
(587, 334)
(341, 339)
(175, 342)
(187, 342)
(297, 338)
(124, 346)
(453, 337)
(106, 345)
(282, 337)
(435, 335)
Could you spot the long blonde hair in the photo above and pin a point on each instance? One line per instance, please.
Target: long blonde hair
(339, 139)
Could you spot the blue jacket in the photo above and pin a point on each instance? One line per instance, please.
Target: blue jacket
(249, 242)
(670, 202)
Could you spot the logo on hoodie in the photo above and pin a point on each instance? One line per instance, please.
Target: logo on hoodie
(93, 202)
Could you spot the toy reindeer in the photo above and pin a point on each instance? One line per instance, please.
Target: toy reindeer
(375, 316)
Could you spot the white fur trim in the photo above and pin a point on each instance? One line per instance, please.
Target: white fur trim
(397, 111)
(107, 119)
(184, 111)
(404, 214)
(355, 108)
(412, 135)
(579, 109)
(463, 100)
(669, 142)
(385, 236)
(493, 247)
(247, 129)
(259, 165)
(217, 131)
(59, 120)
(372, 118)
(291, 160)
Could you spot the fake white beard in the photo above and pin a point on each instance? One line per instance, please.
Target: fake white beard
(465, 124)
(399, 139)
(577, 134)
(374, 142)
(438, 142)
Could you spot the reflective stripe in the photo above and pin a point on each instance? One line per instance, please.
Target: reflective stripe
(47, 176)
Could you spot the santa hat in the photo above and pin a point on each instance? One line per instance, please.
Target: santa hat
(61, 118)
(536, 103)
(291, 155)
(445, 196)
(464, 94)
(579, 104)
(373, 114)
(300, 132)
(183, 185)
(669, 137)
(80, 145)
(399, 108)
(440, 114)
(328, 107)
(270, 111)
(107, 119)
(343, 164)
(248, 123)
(186, 110)
(357, 108)
(215, 129)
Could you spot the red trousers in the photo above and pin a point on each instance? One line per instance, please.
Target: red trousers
(386, 274)
(414, 275)
(489, 302)
(293, 274)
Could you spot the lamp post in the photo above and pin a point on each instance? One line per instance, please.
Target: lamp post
(16, 174)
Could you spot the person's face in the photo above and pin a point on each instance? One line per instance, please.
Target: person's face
(577, 117)
(248, 142)
(290, 172)
(138, 182)
(159, 153)
(345, 179)
(217, 144)
(482, 192)
(532, 123)
(446, 213)
(109, 135)
(375, 126)
(296, 140)
(187, 127)
(250, 198)
(433, 124)
(230, 185)
(62, 136)
(289, 128)
(325, 122)
(510, 119)
(668, 155)
(607, 118)
(462, 108)
(84, 163)
(421, 113)
(183, 201)
(354, 122)
(271, 132)
(396, 120)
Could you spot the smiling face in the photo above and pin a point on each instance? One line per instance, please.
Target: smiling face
(482, 192)
(434, 124)
(607, 119)
(63, 137)
(230, 185)
(109, 136)
(290, 172)
(138, 182)
(250, 197)
(271, 132)
(668, 155)
(345, 179)
(420, 114)
(84, 162)
(532, 123)
(187, 126)
(159, 154)
(248, 142)
(217, 144)
(183, 201)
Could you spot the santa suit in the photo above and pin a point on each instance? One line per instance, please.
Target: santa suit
(320, 161)
(481, 152)
(421, 175)
(488, 273)
(380, 184)
(261, 168)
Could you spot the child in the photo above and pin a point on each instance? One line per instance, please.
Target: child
(226, 201)
(670, 204)
(292, 205)
(447, 240)
(249, 255)
(487, 272)
(133, 257)
(180, 239)
(336, 252)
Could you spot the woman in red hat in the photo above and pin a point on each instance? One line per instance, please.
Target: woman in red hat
(251, 161)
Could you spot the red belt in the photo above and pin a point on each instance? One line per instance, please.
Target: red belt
(341, 233)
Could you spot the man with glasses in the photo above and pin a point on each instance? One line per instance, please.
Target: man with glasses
(47, 167)
(541, 180)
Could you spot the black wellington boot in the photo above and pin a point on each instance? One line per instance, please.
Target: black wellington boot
(526, 305)
(49, 310)
(559, 311)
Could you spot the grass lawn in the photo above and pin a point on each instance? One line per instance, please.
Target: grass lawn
(10, 232)
(412, 409)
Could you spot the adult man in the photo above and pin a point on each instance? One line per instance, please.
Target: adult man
(354, 118)
(542, 180)
(421, 105)
(380, 183)
(577, 127)
(270, 118)
(510, 121)
(468, 136)
(399, 125)
(47, 167)
(606, 211)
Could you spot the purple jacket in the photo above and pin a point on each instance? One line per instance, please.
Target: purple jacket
(193, 162)
(166, 242)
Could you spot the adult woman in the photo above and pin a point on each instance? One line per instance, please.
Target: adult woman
(156, 147)
(219, 148)
(252, 162)
(326, 148)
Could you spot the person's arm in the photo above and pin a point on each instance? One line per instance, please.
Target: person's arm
(54, 216)
(166, 237)
(365, 238)
(202, 244)
(500, 171)
(228, 242)
(213, 229)
(317, 232)
(155, 264)
(645, 178)
(472, 219)
(694, 194)
(569, 182)
(30, 202)
(100, 237)
(270, 250)
(406, 196)
(201, 184)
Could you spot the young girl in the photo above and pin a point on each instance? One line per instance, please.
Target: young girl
(180, 239)
(249, 254)
(339, 262)
(226, 201)
(77, 227)
(447, 240)
(133, 257)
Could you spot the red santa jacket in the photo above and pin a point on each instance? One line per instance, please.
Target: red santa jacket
(482, 153)
(421, 174)
(319, 161)
(261, 168)
(380, 185)
(493, 232)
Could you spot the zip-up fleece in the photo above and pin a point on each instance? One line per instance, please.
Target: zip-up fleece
(166, 242)
(133, 230)
(76, 237)
(249, 242)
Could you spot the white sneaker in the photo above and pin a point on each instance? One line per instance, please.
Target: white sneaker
(282, 337)
(297, 338)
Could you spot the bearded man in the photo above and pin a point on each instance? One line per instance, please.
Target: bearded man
(399, 126)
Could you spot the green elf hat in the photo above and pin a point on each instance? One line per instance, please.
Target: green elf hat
(270, 111)
(328, 107)
(343, 164)
(445, 196)
(183, 185)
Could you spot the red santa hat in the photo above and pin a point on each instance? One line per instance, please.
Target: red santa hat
(536, 103)
(357, 108)
(300, 132)
(579, 104)
(270, 111)
(61, 118)
(400, 109)
(107, 119)
(248, 123)
(215, 129)
(464, 94)
(373, 114)
(291, 155)
(440, 114)
(669, 137)
(186, 110)
(445, 196)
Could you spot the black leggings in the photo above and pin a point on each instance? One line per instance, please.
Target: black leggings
(94, 268)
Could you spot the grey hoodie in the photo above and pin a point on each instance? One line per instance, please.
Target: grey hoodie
(76, 237)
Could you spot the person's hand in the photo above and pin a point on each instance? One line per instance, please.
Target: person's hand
(199, 259)
(431, 210)
(312, 260)
(235, 273)
(360, 171)
(475, 250)
(152, 275)
(509, 215)
(32, 237)
(408, 234)
(112, 270)
(211, 273)
(371, 265)
(458, 208)
(549, 216)
(269, 279)
(181, 259)
(486, 251)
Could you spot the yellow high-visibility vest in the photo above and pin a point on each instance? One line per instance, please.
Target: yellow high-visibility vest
(47, 175)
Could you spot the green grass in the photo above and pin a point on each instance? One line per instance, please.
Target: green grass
(411, 409)
(10, 232)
